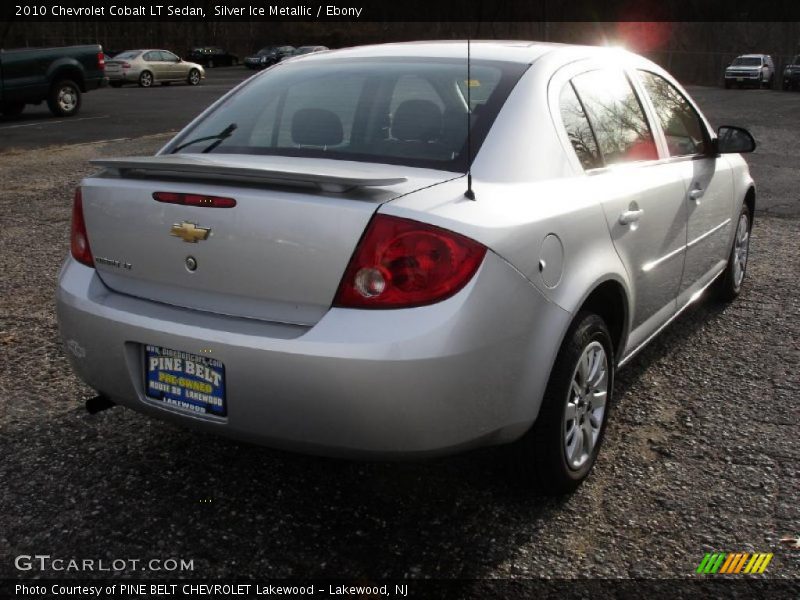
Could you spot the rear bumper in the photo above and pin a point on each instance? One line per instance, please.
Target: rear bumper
(465, 372)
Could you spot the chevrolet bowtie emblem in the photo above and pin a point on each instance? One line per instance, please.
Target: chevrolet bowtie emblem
(189, 232)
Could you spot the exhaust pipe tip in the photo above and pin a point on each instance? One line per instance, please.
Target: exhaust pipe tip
(98, 403)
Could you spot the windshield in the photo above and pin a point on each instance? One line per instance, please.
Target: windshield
(747, 61)
(264, 51)
(796, 60)
(396, 111)
(128, 54)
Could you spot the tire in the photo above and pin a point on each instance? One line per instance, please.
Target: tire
(115, 84)
(727, 85)
(546, 458)
(210, 64)
(12, 110)
(193, 77)
(145, 79)
(729, 284)
(64, 98)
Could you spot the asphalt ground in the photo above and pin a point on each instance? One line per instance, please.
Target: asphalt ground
(701, 454)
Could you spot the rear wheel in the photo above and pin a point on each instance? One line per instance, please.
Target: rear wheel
(194, 77)
(145, 79)
(64, 99)
(729, 284)
(12, 109)
(558, 452)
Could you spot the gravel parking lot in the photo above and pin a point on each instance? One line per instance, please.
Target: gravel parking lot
(701, 453)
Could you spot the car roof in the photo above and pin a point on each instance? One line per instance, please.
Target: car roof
(516, 51)
(752, 55)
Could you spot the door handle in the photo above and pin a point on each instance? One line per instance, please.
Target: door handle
(630, 216)
(696, 194)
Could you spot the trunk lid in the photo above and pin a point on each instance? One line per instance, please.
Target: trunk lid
(277, 255)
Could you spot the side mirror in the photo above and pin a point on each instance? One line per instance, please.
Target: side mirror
(734, 140)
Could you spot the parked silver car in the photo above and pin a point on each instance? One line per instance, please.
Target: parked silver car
(306, 265)
(148, 67)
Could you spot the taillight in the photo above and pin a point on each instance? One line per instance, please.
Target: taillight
(79, 241)
(194, 200)
(101, 61)
(126, 65)
(400, 263)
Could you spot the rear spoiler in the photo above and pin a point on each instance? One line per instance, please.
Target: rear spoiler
(326, 177)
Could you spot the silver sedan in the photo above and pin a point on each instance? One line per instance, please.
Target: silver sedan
(148, 67)
(385, 251)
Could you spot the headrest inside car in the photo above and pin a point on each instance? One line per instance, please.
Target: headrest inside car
(316, 127)
(417, 121)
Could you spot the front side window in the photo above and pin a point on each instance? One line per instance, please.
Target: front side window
(682, 126)
(616, 116)
(406, 111)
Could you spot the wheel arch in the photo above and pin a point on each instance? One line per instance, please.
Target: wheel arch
(69, 71)
(750, 202)
(608, 299)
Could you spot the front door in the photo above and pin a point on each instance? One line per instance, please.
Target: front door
(708, 180)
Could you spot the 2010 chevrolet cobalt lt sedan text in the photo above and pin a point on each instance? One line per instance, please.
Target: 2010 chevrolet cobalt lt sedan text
(307, 264)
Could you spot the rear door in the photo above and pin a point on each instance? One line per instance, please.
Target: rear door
(173, 67)
(708, 180)
(643, 199)
(154, 63)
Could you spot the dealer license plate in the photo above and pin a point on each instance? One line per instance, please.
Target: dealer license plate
(186, 381)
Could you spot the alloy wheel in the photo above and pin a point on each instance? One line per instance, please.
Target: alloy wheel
(741, 247)
(586, 405)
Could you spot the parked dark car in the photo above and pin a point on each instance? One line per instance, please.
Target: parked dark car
(268, 56)
(791, 74)
(211, 56)
(56, 75)
(309, 50)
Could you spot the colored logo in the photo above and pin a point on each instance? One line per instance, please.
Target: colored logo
(189, 232)
(732, 563)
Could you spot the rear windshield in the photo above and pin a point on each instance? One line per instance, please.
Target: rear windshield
(397, 111)
(747, 61)
(128, 54)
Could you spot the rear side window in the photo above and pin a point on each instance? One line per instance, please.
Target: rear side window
(681, 124)
(578, 129)
(131, 54)
(616, 116)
